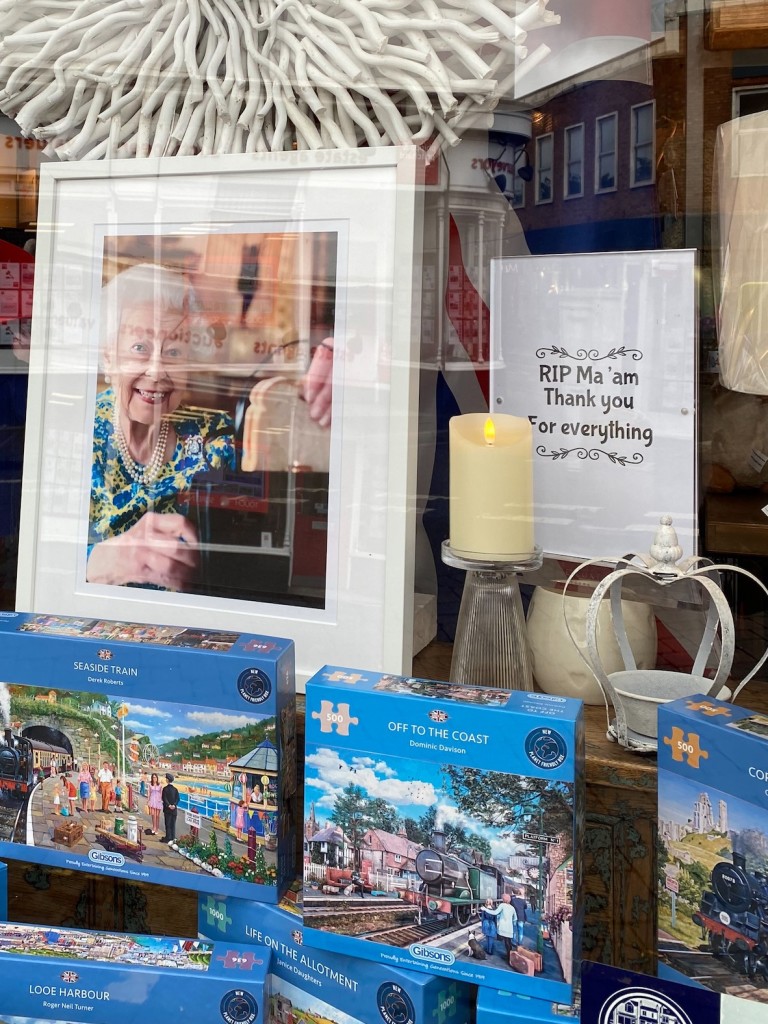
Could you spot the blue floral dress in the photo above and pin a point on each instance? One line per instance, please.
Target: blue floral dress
(205, 441)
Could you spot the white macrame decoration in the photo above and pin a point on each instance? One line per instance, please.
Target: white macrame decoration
(103, 79)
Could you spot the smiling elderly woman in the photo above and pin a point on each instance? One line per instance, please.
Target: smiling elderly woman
(147, 448)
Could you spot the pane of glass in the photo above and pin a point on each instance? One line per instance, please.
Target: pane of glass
(607, 130)
(544, 169)
(517, 186)
(575, 143)
(752, 101)
(606, 172)
(545, 153)
(643, 124)
(644, 163)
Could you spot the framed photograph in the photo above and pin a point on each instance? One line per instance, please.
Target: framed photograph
(223, 398)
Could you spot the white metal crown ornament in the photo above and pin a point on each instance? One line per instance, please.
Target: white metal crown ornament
(636, 693)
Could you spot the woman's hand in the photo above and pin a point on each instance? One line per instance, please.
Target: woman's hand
(317, 383)
(160, 550)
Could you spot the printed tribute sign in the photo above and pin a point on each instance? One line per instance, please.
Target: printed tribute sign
(598, 350)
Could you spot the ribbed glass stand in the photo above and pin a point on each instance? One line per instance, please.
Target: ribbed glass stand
(491, 645)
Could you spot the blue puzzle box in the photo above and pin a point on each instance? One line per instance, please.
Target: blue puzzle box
(63, 974)
(151, 753)
(613, 995)
(496, 1007)
(308, 984)
(441, 829)
(713, 845)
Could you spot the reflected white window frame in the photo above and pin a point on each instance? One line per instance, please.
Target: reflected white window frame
(601, 153)
(635, 145)
(517, 192)
(738, 92)
(568, 162)
(517, 200)
(543, 168)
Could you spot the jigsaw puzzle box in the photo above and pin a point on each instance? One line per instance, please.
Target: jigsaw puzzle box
(433, 808)
(63, 974)
(497, 1007)
(94, 715)
(713, 845)
(612, 995)
(316, 986)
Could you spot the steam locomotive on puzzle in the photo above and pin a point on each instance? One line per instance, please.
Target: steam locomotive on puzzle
(733, 917)
(455, 885)
(25, 761)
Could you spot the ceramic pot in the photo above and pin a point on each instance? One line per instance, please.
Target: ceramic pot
(642, 692)
(558, 667)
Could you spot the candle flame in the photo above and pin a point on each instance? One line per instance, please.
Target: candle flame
(490, 431)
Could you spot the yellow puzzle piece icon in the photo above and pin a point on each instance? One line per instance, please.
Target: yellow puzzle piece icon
(685, 749)
(344, 677)
(707, 709)
(340, 718)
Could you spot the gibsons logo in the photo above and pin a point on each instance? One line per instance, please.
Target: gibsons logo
(429, 954)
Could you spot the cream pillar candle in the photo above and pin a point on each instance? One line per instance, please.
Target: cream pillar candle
(491, 486)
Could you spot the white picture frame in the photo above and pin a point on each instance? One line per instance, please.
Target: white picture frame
(370, 202)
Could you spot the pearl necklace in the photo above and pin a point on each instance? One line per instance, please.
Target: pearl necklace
(142, 474)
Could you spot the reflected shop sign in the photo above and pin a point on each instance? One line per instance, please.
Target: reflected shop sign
(599, 351)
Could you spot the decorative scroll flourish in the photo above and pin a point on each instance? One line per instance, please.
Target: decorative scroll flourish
(590, 453)
(593, 354)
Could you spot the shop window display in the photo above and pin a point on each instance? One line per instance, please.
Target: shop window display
(607, 129)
